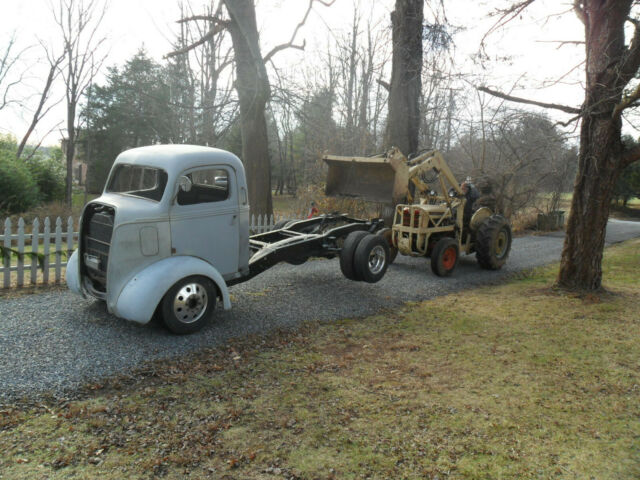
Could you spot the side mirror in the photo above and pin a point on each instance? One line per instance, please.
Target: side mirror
(185, 183)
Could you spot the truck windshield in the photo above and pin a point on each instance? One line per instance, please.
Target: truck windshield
(140, 181)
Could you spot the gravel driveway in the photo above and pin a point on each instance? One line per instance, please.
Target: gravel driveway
(54, 342)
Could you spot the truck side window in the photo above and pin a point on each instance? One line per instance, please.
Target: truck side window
(209, 185)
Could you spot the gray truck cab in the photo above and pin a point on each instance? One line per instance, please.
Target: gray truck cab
(170, 229)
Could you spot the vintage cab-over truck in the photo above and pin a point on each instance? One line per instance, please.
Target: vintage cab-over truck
(170, 234)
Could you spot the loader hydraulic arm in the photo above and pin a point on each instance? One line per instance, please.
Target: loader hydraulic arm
(434, 160)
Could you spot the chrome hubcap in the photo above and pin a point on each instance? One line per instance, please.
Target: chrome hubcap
(377, 259)
(190, 303)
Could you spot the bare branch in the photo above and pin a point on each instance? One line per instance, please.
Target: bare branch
(385, 85)
(570, 121)
(218, 25)
(7, 64)
(281, 47)
(511, 98)
(215, 29)
(562, 43)
(290, 43)
(626, 102)
(39, 113)
(563, 76)
(207, 18)
(35, 149)
(631, 155)
(506, 15)
(631, 60)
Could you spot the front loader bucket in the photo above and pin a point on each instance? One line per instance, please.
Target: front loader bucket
(374, 179)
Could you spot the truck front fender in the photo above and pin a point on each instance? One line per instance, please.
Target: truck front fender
(73, 274)
(142, 294)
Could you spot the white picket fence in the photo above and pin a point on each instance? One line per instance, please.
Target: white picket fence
(35, 257)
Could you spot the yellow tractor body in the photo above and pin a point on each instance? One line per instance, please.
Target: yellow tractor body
(424, 223)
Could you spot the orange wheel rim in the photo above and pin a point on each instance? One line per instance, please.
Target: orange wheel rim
(449, 258)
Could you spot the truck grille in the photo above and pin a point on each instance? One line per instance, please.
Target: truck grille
(96, 242)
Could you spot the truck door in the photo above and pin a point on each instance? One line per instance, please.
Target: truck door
(204, 220)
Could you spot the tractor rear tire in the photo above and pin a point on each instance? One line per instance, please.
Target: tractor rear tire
(493, 242)
(371, 258)
(387, 234)
(346, 254)
(444, 256)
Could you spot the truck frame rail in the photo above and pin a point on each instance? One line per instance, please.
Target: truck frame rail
(299, 240)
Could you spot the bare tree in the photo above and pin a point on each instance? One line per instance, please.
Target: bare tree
(513, 158)
(403, 121)
(356, 59)
(78, 22)
(252, 85)
(44, 106)
(201, 93)
(7, 67)
(612, 63)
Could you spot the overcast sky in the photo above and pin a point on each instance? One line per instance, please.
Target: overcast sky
(129, 24)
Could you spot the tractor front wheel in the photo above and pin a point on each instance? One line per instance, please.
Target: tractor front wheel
(444, 256)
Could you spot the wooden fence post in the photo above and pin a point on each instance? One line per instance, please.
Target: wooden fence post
(58, 246)
(6, 260)
(35, 242)
(47, 238)
(20, 252)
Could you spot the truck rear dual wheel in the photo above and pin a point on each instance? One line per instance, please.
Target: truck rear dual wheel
(348, 251)
(444, 256)
(188, 305)
(493, 242)
(364, 257)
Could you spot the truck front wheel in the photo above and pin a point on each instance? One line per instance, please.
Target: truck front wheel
(187, 306)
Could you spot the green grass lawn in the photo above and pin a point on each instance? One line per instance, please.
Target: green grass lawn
(512, 381)
(77, 200)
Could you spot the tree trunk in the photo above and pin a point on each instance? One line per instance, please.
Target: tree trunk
(601, 151)
(252, 85)
(581, 266)
(403, 121)
(70, 153)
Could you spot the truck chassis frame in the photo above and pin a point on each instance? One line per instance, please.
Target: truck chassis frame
(299, 240)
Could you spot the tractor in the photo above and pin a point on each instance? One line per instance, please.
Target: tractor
(424, 223)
